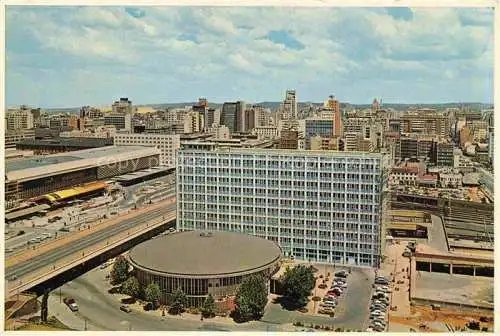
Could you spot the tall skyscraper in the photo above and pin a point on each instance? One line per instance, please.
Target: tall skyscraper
(334, 104)
(123, 106)
(232, 115)
(288, 108)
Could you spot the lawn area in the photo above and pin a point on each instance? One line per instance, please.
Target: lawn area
(52, 325)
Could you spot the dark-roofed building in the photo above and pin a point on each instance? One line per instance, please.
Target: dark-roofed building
(62, 145)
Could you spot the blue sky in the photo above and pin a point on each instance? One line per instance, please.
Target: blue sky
(74, 56)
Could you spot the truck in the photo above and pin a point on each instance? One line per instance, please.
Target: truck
(71, 303)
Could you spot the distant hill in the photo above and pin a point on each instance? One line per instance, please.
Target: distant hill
(275, 105)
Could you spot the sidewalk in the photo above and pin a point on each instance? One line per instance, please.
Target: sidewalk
(67, 317)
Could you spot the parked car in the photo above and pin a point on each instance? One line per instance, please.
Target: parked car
(326, 311)
(377, 307)
(342, 274)
(328, 304)
(381, 280)
(125, 308)
(71, 303)
(339, 284)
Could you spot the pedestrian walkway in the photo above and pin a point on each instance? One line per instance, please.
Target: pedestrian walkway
(71, 319)
(397, 268)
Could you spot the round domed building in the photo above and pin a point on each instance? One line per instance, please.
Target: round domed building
(203, 262)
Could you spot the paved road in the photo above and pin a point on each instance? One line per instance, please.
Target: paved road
(53, 256)
(101, 310)
(436, 234)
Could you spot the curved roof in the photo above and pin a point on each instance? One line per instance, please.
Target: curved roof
(200, 254)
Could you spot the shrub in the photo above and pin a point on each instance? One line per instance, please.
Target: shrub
(317, 326)
(316, 298)
(193, 310)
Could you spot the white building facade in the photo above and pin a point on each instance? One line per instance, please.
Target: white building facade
(318, 206)
(166, 143)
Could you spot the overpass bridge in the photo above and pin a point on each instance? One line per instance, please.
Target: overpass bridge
(63, 259)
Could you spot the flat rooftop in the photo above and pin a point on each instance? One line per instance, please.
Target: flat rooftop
(198, 254)
(288, 152)
(43, 166)
(69, 142)
(38, 161)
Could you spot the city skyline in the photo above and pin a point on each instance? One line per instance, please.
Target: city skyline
(169, 55)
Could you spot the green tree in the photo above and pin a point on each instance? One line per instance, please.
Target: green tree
(119, 273)
(251, 299)
(178, 302)
(297, 284)
(131, 287)
(152, 294)
(208, 309)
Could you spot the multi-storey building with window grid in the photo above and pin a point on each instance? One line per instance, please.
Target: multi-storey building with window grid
(317, 205)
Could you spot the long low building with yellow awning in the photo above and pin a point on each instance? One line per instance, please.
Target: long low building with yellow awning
(65, 194)
(408, 229)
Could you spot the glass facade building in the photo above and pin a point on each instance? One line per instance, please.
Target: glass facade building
(318, 206)
(321, 127)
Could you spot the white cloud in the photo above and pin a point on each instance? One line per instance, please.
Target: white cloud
(340, 45)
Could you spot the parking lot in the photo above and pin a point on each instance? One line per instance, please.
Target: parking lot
(351, 310)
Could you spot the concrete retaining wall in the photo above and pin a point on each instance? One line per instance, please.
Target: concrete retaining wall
(453, 305)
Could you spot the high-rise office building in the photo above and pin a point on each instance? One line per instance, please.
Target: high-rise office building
(288, 108)
(19, 119)
(123, 106)
(120, 121)
(193, 122)
(248, 122)
(203, 102)
(334, 104)
(166, 143)
(318, 206)
(232, 115)
(425, 121)
(313, 127)
(210, 118)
